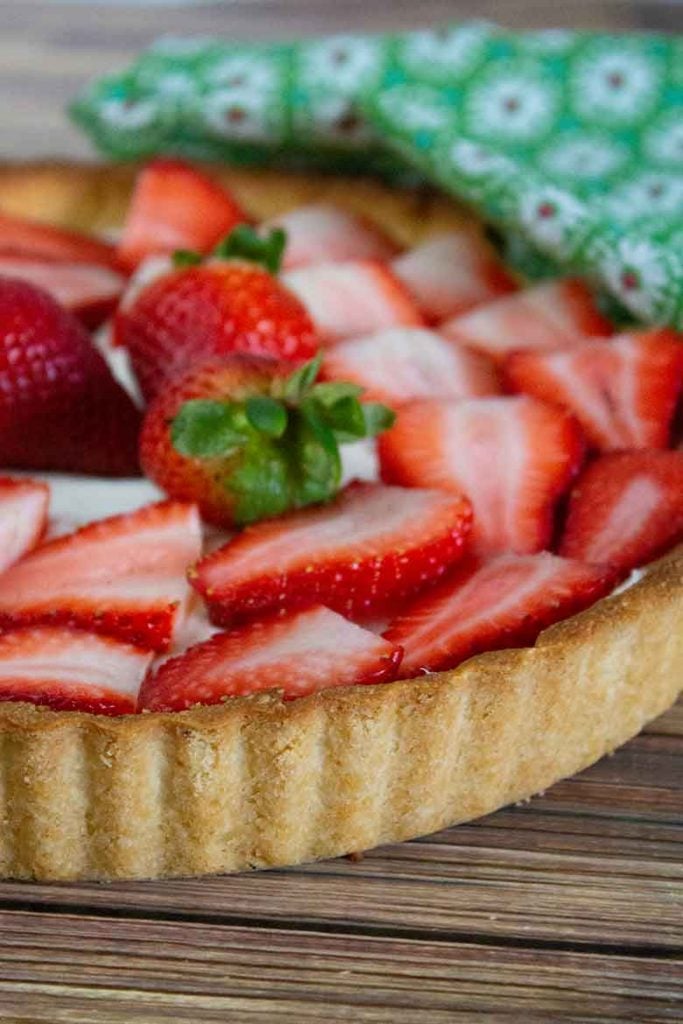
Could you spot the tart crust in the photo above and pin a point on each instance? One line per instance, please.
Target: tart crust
(258, 782)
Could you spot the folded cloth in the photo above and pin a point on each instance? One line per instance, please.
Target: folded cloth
(571, 143)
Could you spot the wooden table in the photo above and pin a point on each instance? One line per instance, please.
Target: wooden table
(566, 909)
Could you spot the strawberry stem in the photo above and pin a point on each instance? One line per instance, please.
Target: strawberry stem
(279, 451)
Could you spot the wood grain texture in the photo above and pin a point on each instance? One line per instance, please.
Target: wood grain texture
(189, 972)
(566, 909)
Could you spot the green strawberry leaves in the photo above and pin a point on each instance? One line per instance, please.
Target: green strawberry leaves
(279, 451)
(243, 243)
(205, 429)
(267, 415)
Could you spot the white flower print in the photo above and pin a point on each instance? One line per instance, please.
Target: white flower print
(583, 156)
(511, 106)
(663, 140)
(475, 160)
(243, 71)
(344, 64)
(128, 113)
(638, 272)
(175, 84)
(239, 114)
(448, 53)
(615, 86)
(654, 194)
(334, 118)
(416, 107)
(554, 220)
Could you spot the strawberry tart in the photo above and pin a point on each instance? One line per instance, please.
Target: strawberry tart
(318, 528)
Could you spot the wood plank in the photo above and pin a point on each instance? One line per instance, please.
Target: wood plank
(584, 865)
(115, 971)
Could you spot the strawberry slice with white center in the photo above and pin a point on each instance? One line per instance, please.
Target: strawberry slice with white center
(513, 457)
(123, 576)
(545, 317)
(622, 391)
(174, 206)
(625, 509)
(490, 604)
(23, 517)
(71, 670)
(370, 547)
(323, 233)
(299, 653)
(347, 300)
(403, 363)
(30, 238)
(88, 290)
(451, 273)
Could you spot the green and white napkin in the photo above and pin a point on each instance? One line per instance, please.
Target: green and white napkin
(570, 143)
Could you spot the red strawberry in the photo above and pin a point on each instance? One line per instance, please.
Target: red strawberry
(70, 670)
(299, 653)
(87, 290)
(60, 407)
(124, 576)
(487, 605)
(623, 391)
(544, 317)
(175, 206)
(359, 554)
(512, 457)
(248, 439)
(350, 299)
(402, 363)
(323, 233)
(451, 273)
(20, 237)
(214, 309)
(23, 517)
(625, 509)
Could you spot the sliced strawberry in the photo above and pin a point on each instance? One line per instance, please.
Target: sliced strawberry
(545, 317)
(346, 300)
(124, 576)
(88, 290)
(625, 509)
(299, 653)
(402, 363)
(175, 206)
(512, 457)
(23, 517)
(622, 391)
(71, 670)
(359, 554)
(323, 233)
(46, 242)
(451, 273)
(487, 605)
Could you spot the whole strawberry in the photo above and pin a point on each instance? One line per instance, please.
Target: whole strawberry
(247, 439)
(60, 407)
(230, 302)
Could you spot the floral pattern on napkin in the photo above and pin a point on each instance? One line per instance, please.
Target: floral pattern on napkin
(571, 143)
